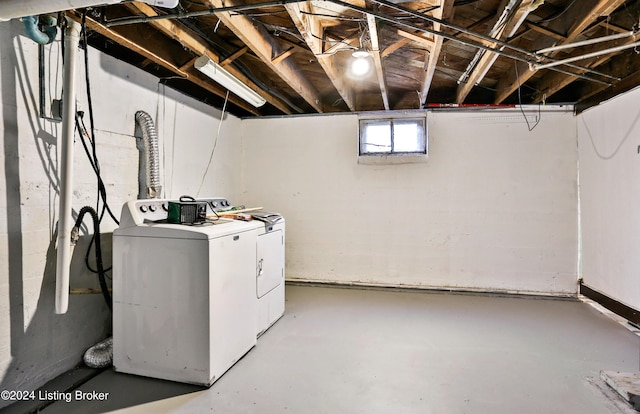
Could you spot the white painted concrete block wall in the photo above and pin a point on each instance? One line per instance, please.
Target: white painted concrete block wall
(610, 197)
(494, 208)
(36, 344)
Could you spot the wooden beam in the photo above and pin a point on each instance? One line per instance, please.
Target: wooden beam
(431, 58)
(395, 46)
(283, 56)
(594, 93)
(555, 81)
(131, 45)
(613, 27)
(234, 56)
(502, 31)
(377, 60)
(425, 41)
(575, 20)
(189, 64)
(302, 15)
(209, 86)
(266, 47)
(199, 46)
(543, 30)
(348, 43)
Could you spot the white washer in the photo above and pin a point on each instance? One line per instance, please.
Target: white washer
(185, 305)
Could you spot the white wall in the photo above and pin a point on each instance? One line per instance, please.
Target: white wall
(610, 197)
(494, 208)
(36, 344)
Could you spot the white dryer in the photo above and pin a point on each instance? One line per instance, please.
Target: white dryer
(269, 269)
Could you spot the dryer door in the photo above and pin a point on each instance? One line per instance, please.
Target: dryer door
(270, 264)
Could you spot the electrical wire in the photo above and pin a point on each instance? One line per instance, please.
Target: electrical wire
(555, 16)
(215, 143)
(93, 159)
(529, 127)
(101, 193)
(75, 234)
(81, 128)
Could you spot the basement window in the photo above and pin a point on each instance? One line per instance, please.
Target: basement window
(392, 140)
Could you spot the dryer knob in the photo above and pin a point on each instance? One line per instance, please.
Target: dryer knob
(153, 208)
(143, 208)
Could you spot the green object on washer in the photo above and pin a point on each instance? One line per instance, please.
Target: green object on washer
(186, 212)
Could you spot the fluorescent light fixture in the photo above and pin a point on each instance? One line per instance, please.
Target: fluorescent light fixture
(210, 68)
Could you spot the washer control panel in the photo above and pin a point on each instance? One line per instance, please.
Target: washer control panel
(137, 212)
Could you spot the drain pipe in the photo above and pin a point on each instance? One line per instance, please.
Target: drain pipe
(65, 221)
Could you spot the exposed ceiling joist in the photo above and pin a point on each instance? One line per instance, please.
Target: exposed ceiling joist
(377, 60)
(199, 47)
(443, 12)
(576, 19)
(310, 26)
(265, 47)
(234, 56)
(297, 57)
(180, 71)
(555, 81)
(512, 17)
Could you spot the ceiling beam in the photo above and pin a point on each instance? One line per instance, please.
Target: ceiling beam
(266, 48)
(183, 71)
(418, 38)
(592, 94)
(377, 60)
(310, 26)
(503, 29)
(234, 56)
(445, 11)
(344, 44)
(547, 32)
(283, 55)
(574, 21)
(393, 47)
(555, 81)
(198, 46)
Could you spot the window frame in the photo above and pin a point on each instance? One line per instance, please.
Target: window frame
(420, 119)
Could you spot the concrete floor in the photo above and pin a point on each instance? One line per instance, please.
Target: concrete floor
(378, 351)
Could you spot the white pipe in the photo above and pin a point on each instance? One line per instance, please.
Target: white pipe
(587, 42)
(65, 221)
(588, 55)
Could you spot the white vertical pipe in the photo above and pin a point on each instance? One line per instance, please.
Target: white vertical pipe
(587, 42)
(586, 56)
(65, 221)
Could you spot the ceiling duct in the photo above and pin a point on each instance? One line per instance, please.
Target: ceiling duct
(12, 9)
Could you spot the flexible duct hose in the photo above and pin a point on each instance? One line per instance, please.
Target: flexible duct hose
(100, 355)
(75, 235)
(150, 141)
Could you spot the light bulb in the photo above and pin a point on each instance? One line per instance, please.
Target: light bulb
(360, 65)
